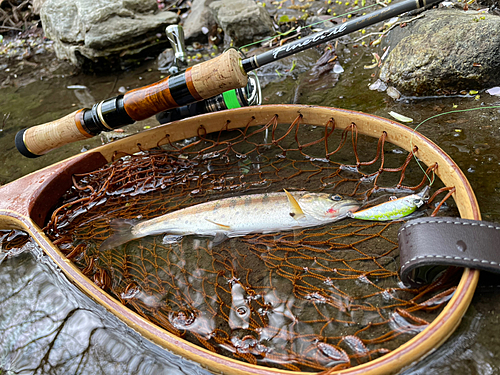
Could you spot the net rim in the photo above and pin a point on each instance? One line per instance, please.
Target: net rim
(23, 213)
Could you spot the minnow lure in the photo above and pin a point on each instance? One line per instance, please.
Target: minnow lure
(238, 216)
(393, 209)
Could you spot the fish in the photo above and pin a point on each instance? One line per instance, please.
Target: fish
(238, 216)
(393, 209)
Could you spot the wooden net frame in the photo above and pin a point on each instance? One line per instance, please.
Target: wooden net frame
(329, 351)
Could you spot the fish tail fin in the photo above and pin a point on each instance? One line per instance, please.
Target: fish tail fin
(122, 229)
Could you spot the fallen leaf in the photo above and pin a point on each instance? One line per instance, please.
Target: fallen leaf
(400, 117)
(494, 91)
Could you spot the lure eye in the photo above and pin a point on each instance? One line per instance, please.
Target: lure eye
(336, 197)
(418, 202)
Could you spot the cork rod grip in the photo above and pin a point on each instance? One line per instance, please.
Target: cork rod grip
(40, 139)
(202, 81)
(218, 75)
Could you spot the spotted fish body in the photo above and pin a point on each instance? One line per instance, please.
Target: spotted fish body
(393, 209)
(238, 216)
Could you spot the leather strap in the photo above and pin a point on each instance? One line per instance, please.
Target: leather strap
(428, 245)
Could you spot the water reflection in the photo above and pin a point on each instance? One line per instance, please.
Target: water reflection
(463, 353)
(48, 326)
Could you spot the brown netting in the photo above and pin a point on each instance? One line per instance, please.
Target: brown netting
(327, 297)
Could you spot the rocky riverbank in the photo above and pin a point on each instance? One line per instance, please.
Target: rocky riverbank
(448, 50)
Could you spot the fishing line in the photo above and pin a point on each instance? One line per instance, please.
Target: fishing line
(308, 26)
(431, 181)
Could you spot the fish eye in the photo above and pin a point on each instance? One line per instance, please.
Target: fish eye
(336, 197)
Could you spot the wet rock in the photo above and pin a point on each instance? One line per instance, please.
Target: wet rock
(166, 59)
(37, 5)
(493, 5)
(242, 20)
(319, 23)
(140, 6)
(447, 50)
(104, 34)
(378, 85)
(199, 19)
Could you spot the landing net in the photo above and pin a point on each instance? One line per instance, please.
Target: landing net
(322, 298)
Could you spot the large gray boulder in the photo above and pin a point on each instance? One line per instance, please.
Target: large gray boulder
(446, 50)
(242, 20)
(104, 31)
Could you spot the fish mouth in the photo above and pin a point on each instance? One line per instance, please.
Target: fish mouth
(350, 208)
(353, 208)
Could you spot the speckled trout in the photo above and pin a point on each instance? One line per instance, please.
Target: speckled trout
(238, 216)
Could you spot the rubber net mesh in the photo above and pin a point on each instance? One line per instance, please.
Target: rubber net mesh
(327, 297)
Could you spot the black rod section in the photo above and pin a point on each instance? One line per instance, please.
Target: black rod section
(302, 44)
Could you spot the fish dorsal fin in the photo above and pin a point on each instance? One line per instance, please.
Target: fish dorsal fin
(295, 210)
(222, 226)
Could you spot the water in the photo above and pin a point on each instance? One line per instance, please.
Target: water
(48, 326)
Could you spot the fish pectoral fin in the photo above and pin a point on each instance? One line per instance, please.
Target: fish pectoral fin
(222, 226)
(295, 210)
(171, 238)
(219, 238)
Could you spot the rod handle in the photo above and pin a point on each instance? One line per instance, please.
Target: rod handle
(38, 140)
(201, 81)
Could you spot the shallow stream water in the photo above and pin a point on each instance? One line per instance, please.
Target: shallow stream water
(48, 326)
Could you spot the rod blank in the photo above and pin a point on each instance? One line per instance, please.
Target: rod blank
(345, 28)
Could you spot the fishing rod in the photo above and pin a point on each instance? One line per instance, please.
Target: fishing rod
(202, 81)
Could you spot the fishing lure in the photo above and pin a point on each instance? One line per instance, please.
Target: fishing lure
(393, 209)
